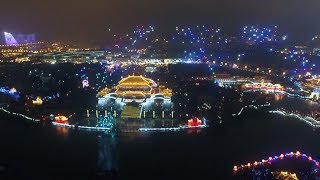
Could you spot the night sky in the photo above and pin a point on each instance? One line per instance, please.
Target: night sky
(89, 19)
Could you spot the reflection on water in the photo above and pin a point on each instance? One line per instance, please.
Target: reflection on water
(278, 97)
(252, 136)
(107, 156)
(281, 101)
(62, 131)
(312, 103)
(193, 131)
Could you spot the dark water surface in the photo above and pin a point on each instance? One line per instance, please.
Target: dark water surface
(30, 151)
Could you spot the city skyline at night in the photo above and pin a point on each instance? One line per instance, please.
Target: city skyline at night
(159, 89)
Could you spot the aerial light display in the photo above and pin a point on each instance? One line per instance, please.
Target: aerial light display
(261, 34)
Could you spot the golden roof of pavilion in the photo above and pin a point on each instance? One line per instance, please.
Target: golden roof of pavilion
(103, 92)
(134, 93)
(314, 80)
(165, 91)
(313, 83)
(134, 81)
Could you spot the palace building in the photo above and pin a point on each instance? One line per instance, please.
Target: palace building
(135, 87)
(150, 100)
(103, 92)
(165, 91)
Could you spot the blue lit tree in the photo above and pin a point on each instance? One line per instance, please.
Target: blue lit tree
(106, 121)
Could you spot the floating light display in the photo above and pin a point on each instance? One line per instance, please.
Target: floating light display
(272, 159)
(61, 119)
(194, 122)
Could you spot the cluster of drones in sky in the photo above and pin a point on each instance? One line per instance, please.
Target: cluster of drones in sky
(197, 36)
(258, 34)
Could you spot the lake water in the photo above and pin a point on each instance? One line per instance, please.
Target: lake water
(30, 151)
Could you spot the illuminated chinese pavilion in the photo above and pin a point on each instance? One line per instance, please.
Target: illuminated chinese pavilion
(135, 87)
(165, 91)
(103, 92)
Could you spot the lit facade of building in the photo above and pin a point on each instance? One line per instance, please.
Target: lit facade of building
(135, 87)
(155, 102)
(269, 87)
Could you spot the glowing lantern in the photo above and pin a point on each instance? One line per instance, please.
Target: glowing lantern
(194, 122)
(61, 119)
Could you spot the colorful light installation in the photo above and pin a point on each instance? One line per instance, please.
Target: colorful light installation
(10, 40)
(306, 119)
(85, 83)
(273, 159)
(12, 92)
(194, 122)
(61, 119)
